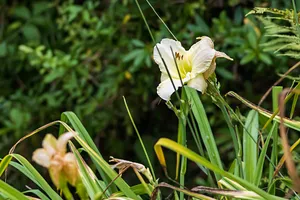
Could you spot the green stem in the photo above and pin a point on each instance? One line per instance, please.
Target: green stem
(162, 21)
(140, 139)
(81, 191)
(231, 129)
(144, 18)
(274, 155)
(233, 134)
(182, 139)
(68, 195)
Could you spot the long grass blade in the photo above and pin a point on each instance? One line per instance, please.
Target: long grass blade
(145, 21)
(98, 160)
(173, 146)
(259, 168)
(35, 176)
(204, 127)
(183, 191)
(137, 189)
(4, 163)
(82, 132)
(11, 193)
(162, 21)
(250, 145)
(140, 138)
(87, 176)
(38, 193)
(287, 122)
(107, 169)
(274, 155)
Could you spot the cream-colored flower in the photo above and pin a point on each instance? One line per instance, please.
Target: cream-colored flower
(195, 65)
(61, 165)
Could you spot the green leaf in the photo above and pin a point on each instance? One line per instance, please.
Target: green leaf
(79, 128)
(22, 12)
(293, 124)
(203, 28)
(10, 192)
(225, 73)
(259, 168)
(205, 129)
(276, 90)
(137, 43)
(37, 193)
(34, 175)
(31, 32)
(88, 179)
(124, 187)
(137, 189)
(3, 49)
(25, 49)
(252, 39)
(4, 163)
(133, 55)
(174, 146)
(74, 10)
(39, 7)
(250, 137)
(54, 74)
(249, 57)
(265, 58)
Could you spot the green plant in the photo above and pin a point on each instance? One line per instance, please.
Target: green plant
(70, 66)
(283, 30)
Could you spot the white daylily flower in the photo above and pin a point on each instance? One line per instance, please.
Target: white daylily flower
(195, 65)
(61, 165)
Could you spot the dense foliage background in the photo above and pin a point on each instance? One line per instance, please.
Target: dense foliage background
(84, 56)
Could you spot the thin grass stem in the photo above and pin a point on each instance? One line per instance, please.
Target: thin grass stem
(140, 139)
(144, 18)
(162, 21)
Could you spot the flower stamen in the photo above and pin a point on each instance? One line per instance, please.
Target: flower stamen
(178, 56)
(193, 66)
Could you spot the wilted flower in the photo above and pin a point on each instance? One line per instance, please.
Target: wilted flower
(123, 164)
(61, 165)
(194, 65)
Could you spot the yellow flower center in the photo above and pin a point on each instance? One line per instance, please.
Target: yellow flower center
(183, 64)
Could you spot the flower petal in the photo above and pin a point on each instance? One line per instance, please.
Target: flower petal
(62, 142)
(198, 83)
(164, 48)
(41, 157)
(166, 89)
(163, 77)
(56, 175)
(211, 69)
(201, 55)
(50, 144)
(222, 55)
(70, 168)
